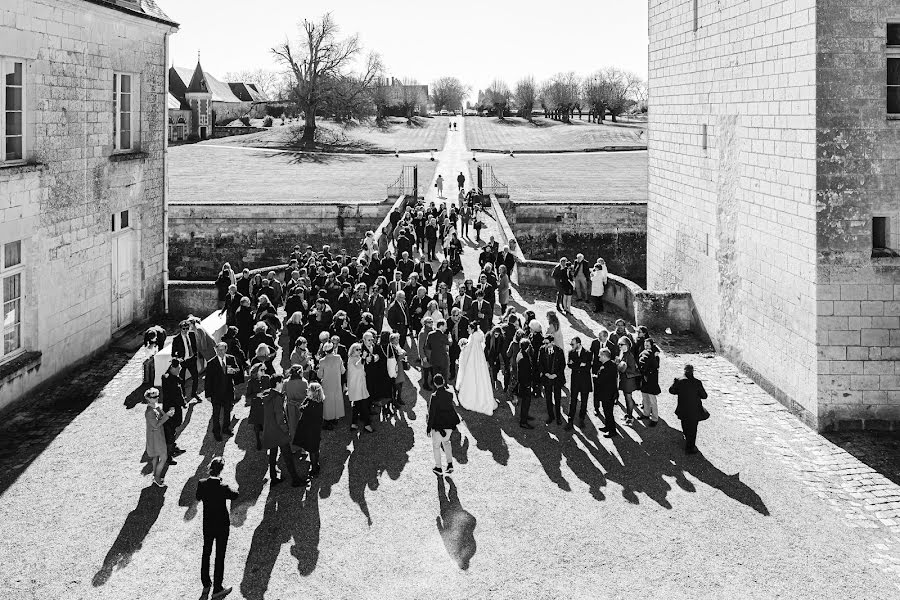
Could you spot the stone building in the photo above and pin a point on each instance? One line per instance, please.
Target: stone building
(205, 102)
(773, 178)
(82, 178)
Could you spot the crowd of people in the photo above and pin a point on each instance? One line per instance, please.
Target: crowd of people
(355, 326)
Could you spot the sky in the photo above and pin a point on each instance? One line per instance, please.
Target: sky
(476, 42)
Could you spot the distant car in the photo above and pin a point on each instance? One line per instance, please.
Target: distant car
(444, 113)
(455, 113)
(470, 113)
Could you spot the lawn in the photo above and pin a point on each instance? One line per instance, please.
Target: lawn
(590, 177)
(518, 134)
(396, 134)
(203, 173)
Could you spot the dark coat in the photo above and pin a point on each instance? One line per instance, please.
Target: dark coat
(275, 426)
(378, 382)
(232, 303)
(437, 348)
(441, 414)
(213, 494)
(526, 378)
(487, 312)
(606, 382)
(690, 394)
(580, 364)
(178, 349)
(551, 362)
(309, 429)
(648, 364)
(219, 385)
(377, 308)
(397, 319)
(173, 397)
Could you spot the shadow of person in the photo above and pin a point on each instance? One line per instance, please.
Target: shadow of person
(282, 510)
(136, 527)
(307, 528)
(136, 396)
(455, 525)
(487, 433)
(249, 473)
(384, 451)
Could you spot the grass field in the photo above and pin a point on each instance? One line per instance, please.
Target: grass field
(591, 177)
(423, 134)
(203, 173)
(551, 136)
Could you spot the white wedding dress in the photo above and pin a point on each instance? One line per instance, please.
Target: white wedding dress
(473, 379)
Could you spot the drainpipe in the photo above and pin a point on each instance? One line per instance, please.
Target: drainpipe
(165, 193)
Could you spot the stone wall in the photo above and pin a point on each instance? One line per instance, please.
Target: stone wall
(732, 174)
(204, 236)
(858, 304)
(60, 203)
(617, 231)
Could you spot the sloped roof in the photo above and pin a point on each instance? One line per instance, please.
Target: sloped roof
(198, 81)
(248, 92)
(220, 91)
(142, 8)
(174, 103)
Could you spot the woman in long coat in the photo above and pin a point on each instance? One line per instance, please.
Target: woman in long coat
(377, 381)
(156, 438)
(648, 365)
(259, 383)
(275, 432)
(629, 375)
(356, 387)
(295, 391)
(309, 429)
(331, 367)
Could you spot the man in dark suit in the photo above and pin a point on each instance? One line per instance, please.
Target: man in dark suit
(580, 365)
(689, 409)
(457, 330)
(184, 346)
(508, 330)
(506, 259)
(397, 318)
(216, 524)
(481, 313)
(417, 307)
(220, 389)
(173, 398)
(523, 367)
(232, 303)
(606, 390)
(437, 348)
(552, 367)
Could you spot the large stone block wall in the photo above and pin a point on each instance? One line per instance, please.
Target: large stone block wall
(857, 179)
(61, 204)
(734, 222)
(204, 236)
(617, 231)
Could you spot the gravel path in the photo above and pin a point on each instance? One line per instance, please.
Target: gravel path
(769, 509)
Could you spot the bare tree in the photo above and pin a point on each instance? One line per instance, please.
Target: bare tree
(409, 98)
(618, 87)
(560, 95)
(499, 97)
(640, 94)
(319, 58)
(266, 81)
(525, 96)
(349, 96)
(448, 93)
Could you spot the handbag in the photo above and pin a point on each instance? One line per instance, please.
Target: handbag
(704, 414)
(392, 363)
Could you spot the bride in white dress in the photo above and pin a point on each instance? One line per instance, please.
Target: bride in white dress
(473, 381)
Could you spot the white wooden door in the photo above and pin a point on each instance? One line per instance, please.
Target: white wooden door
(123, 297)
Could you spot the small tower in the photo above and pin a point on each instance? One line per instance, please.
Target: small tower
(199, 98)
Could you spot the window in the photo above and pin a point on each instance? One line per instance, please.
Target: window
(696, 8)
(125, 111)
(881, 238)
(892, 51)
(203, 121)
(12, 110)
(119, 220)
(11, 276)
(704, 137)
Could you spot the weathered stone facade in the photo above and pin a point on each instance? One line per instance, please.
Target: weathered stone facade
(254, 235)
(616, 231)
(62, 199)
(770, 153)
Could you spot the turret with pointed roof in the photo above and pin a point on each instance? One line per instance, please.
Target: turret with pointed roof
(199, 97)
(198, 81)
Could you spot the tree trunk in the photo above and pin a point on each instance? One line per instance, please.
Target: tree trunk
(308, 141)
(613, 116)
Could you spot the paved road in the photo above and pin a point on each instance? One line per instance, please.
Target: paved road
(769, 509)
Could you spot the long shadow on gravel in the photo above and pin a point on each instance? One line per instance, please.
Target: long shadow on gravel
(455, 525)
(136, 527)
(878, 449)
(30, 425)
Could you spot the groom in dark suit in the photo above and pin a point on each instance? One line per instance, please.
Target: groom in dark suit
(552, 368)
(457, 330)
(437, 348)
(216, 524)
(184, 346)
(220, 389)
